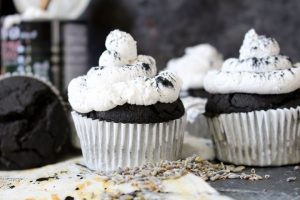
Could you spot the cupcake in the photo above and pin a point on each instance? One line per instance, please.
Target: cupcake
(126, 115)
(34, 123)
(192, 68)
(254, 111)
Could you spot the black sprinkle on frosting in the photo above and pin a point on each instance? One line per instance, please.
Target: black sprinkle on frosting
(165, 82)
(127, 113)
(146, 66)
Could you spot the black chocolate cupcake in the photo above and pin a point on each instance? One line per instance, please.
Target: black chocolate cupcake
(193, 66)
(33, 122)
(254, 109)
(124, 114)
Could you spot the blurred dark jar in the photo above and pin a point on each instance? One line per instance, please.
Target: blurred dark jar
(55, 50)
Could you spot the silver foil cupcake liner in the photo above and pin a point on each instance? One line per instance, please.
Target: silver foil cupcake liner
(258, 138)
(74, 136)
(106, 146)
(197, 139)
(196, 122)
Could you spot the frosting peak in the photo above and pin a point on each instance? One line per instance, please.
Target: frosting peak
(260, 69)
(123, 43)
(258, 46)
(122, 77)
(193, 66)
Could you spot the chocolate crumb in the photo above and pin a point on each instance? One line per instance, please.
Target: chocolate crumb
(44, 179)
(69, 198)
(81, 165)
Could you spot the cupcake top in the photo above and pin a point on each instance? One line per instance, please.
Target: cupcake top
(194, 65)
(260, 69)
(122, 77)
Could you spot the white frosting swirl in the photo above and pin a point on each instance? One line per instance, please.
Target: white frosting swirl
(123, 43)
(122, 77)
(193, 66)
(258, 46)
(260, 69)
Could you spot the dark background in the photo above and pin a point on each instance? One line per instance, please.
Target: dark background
(163, 28)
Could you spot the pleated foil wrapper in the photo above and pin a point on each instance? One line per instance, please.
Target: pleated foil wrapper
(196, 122)
(106, 146)
(258, 138)
(74, 137)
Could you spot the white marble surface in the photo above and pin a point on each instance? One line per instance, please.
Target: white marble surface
(73, 180)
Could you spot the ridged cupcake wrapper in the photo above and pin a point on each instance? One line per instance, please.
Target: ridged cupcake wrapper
(74, 136)
(199, 127)
(258, 138)
(196, 122)
(106, 146)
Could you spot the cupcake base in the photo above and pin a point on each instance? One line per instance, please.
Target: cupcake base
(106, 146)
(258, 138)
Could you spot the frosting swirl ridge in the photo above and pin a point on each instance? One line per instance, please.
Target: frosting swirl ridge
(260, 69)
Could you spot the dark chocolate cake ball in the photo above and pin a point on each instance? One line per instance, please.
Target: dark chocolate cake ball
(33, 123)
